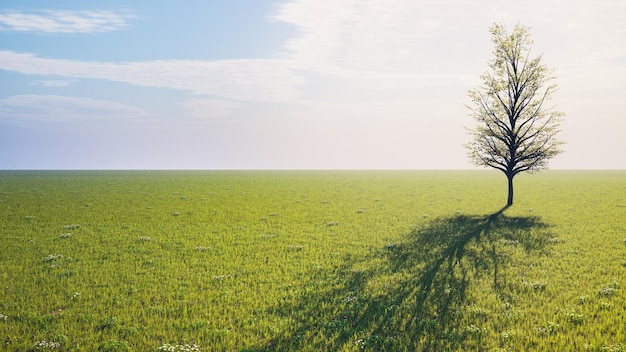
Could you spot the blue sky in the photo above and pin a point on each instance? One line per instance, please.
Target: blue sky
(303, 84)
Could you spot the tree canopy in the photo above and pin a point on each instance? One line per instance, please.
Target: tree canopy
(516, 132)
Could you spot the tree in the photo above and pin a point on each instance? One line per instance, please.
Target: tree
(515, 132)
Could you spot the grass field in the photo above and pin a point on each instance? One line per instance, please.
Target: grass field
(312, 260)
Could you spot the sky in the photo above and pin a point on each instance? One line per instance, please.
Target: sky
(302, 84)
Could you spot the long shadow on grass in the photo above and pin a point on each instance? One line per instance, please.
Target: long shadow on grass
(412, 295)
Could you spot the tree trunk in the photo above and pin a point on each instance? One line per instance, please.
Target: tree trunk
(509, 201)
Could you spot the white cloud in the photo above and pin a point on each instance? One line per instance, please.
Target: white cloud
(57, 21)
(52, 83)
(51, 108)
(381, 42)
(383, 45)
(250, 79)
(406, 43)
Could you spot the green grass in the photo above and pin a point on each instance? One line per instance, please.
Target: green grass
(312, 260)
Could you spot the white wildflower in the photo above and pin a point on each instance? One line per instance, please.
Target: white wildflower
(52, 257)
(46, 345)
(191, 347)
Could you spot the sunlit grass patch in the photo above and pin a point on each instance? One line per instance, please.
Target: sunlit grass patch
(309, 261)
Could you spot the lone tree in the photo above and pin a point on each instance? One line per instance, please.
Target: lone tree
(515, 132)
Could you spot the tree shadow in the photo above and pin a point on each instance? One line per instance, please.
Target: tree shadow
(412, 295)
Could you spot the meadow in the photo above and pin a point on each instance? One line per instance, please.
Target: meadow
(312, 260)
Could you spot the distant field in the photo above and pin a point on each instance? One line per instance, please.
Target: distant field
(312, 260)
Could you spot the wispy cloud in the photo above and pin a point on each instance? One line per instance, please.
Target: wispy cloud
(52, 83)
(379, 42)
(403, 43)
(57, 21)
(383, 48)
(54, 108)
(250, 79)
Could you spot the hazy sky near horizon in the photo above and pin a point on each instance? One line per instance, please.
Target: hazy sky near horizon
(301, 84)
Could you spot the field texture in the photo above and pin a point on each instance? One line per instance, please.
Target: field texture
(316, 260)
